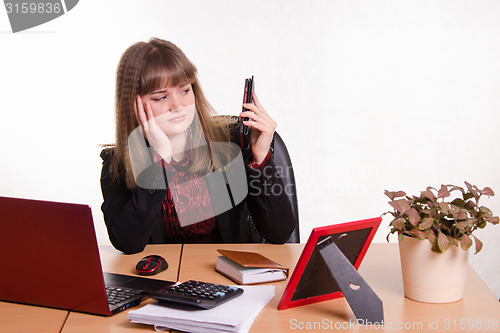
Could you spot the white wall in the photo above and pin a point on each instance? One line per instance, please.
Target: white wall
(368, 95)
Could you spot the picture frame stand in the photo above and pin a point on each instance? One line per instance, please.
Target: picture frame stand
(366, 305)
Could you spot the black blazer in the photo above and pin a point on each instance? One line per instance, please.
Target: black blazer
(134, 217)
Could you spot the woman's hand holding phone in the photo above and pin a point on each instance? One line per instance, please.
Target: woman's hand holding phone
(151, 131)
(262, 128)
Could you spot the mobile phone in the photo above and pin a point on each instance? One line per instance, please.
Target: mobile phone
(247, 98)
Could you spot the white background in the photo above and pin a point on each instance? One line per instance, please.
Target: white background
(368, 96)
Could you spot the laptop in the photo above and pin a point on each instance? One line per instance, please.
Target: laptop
(50, 257)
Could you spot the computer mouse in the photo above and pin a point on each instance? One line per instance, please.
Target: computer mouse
(151, 265)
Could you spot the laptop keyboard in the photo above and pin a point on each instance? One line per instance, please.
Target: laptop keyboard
(117, 295)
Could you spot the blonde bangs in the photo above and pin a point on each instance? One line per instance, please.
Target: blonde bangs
(161, 70)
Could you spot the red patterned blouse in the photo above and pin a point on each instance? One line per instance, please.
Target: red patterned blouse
(188, 198)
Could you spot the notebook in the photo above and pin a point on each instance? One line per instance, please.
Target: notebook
(249, 267)
(52, 259)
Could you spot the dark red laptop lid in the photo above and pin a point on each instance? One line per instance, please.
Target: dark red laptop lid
(50, 256)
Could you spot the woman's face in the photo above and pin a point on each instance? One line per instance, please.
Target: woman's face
(173, 108)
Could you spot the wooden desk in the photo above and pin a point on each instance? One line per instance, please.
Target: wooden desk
(20, 318)
(116, 262)
(381, 269)
(26, 318)
(198, 263)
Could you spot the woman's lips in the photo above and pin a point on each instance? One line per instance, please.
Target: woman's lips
(178, 119)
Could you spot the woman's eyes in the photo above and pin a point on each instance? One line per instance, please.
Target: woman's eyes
(164, 97)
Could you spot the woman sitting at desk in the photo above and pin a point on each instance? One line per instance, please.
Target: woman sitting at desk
(159, 191)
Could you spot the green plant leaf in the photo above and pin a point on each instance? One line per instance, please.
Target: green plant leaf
(458, 202)
(464, 226)
(443, 192)
(430, 212)
(398, 223)
(453, 241)
(488, 192)
(431, 236)
(485, 211)
(470, 205)
(479, 244)
(453, 188)
(435, 248)
(465, 242)
(442, 242)
(426, 223)
(418, 234)
(445, 207)
(400, 205)
(468, 196)
(392, 194)
(490, 219)
(428, 194)
(454, 210)
(494, 220)
(462, 214)
(413, 216)
(473, 190)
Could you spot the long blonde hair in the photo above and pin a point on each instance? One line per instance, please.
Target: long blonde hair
(145, 67)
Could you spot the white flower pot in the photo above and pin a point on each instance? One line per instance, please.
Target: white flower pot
(432, 277)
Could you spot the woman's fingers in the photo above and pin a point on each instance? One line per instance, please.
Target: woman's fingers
(263, 127)
(140, 114)
(257, 125)
(257, 113)
(257, 103)
(145, 115)
(263, 119)
(150, 129)
(250, 114)
(149, 113)
(252, 107)
(255, 106)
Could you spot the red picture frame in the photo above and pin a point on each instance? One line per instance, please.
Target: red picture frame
(358, 236)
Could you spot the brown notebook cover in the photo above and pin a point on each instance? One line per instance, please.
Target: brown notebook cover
(251, 259)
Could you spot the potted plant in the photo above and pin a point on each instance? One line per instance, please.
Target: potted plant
(435, 233)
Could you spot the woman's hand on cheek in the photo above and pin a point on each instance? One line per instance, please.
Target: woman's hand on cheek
(262, 128)
(151, 131)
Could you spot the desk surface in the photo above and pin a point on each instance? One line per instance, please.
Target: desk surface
(26, 318)
(116, 262)
(380, 268)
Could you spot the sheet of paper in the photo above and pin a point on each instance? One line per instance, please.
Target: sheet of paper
(236, 315)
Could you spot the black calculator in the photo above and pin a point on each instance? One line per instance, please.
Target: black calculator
(203, 295)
